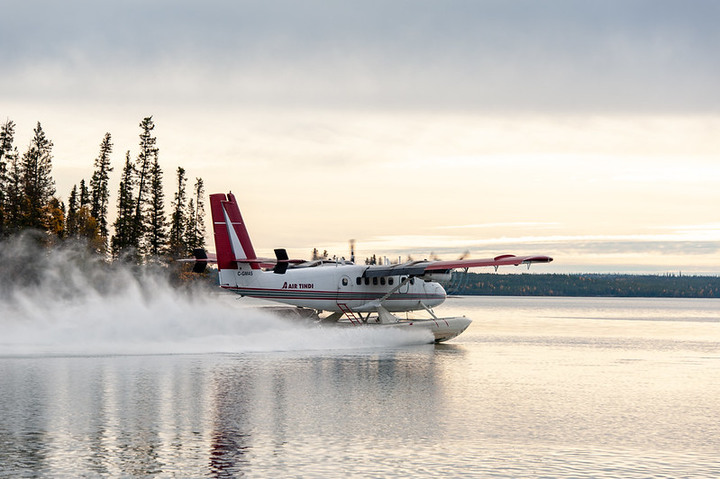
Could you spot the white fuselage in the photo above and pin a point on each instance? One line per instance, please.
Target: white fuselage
(331, 286)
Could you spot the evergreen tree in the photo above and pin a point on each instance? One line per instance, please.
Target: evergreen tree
(84, 194)
(87, 228)
(71, 222)
(7, 136)
(13, 207)
(146, 159)
(37, 182)
(100, 191)
(190, 227)
(125, 238)
(156, 237)
(195, 218)
(176, 243)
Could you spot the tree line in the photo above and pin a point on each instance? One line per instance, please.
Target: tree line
(141, 230)
(588, 285)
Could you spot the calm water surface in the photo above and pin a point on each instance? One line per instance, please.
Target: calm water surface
(536, 387)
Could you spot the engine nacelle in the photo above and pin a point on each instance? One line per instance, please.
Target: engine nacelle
(438, 277)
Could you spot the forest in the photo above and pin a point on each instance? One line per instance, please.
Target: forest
(620, 285)
(142, 230)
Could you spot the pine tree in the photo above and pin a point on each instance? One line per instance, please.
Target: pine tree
(125, 238)
(87, 228)
(195, 218)
(84, 194)
(146, 158)
(7, 136)
(156, 238)
(176, 244)
(190, 227)
(13, 195)
(71, 221)
(100, 191)
(38, 184)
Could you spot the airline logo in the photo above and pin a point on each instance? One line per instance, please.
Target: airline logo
(287, 285)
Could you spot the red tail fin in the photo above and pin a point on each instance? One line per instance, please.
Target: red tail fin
(232, 241)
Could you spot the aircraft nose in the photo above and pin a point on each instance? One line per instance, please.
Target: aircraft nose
(439, 292)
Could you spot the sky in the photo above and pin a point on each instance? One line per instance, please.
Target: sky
(584, 130)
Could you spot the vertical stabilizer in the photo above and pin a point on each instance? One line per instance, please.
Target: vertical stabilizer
(232, 241)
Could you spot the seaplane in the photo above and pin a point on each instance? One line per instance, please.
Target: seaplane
(338, 291)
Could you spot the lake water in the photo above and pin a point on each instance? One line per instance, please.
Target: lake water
(536, 387)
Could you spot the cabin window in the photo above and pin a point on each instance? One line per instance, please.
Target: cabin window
(390, 281)
(344, 281)
(358, 280)
(375, 281)
(382, 281)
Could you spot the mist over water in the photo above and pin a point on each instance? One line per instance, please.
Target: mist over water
(65, 300)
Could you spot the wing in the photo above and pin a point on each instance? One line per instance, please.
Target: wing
(419, 268)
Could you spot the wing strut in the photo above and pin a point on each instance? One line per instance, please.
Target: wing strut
(378, 303)
(402, 283)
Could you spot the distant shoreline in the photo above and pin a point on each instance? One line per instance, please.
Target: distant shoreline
(587, 285)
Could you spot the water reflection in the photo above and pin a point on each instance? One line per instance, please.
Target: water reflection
(230, 436)
(270, 412)
(213, 415)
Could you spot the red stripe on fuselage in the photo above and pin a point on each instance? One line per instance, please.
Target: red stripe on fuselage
(268, 293)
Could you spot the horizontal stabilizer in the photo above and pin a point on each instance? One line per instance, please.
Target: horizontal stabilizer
(200, 261)
(199, 266)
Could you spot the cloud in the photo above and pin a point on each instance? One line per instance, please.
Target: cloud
(461, 54)
(686, 245)
(514, 224)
